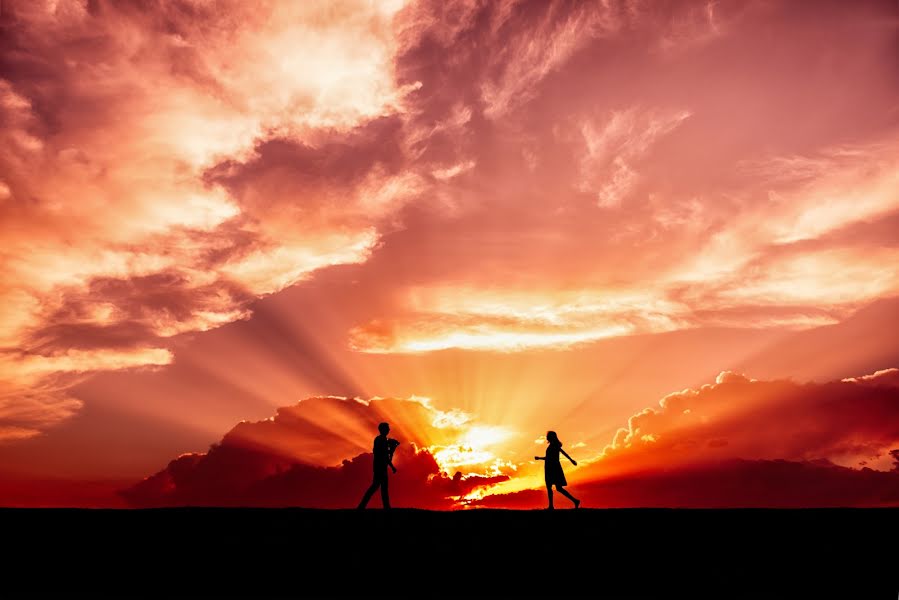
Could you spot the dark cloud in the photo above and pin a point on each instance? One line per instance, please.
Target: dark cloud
(136, 311)
(743, 442)
(229, 475)
(333, 181)
(288, 460)
(339, 158)
(737, 483)
(35, 492)
(844, 421)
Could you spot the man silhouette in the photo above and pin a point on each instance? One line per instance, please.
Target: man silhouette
(383, 457)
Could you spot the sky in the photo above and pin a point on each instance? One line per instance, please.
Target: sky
(236, 236)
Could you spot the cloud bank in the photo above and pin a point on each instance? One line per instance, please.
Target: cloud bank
(743, 442)
(736, 442)
(310, 454)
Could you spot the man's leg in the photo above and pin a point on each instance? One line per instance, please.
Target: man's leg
(371, 490)
(385, 497)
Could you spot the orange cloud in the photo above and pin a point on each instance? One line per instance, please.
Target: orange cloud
(114, 233)
(729, 484)
(325, 430)
(256, 479)
(33, 392)
(744, 442)
(290, 458)
(512, 320)
(847, 422)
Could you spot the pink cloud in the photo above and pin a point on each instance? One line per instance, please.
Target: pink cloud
(613, 145)
(115, 235)
(166, 165)
(844, 422)
(724, 185)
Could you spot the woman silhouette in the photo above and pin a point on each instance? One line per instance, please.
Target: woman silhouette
(553, 469)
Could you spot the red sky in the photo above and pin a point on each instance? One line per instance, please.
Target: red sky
(479, 221)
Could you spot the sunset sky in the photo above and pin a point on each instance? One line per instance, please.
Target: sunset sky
(668, 231)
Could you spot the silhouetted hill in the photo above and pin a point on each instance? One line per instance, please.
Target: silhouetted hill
(409, 553)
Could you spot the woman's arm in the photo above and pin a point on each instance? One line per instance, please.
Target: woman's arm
(539, 458)
(574, 462)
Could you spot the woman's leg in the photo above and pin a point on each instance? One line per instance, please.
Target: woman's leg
(565, 493)
(549, 494)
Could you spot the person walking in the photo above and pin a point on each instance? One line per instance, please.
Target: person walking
(553, 469)
(383, 457)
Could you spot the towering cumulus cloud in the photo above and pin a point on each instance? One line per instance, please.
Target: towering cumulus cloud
(317, 453)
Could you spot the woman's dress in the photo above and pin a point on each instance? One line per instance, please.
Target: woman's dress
(553, 468)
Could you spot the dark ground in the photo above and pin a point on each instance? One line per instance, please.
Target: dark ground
(250, 553)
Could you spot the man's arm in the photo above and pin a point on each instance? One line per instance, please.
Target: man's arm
(392, 445)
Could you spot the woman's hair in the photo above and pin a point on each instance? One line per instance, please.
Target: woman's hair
(552, 438)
